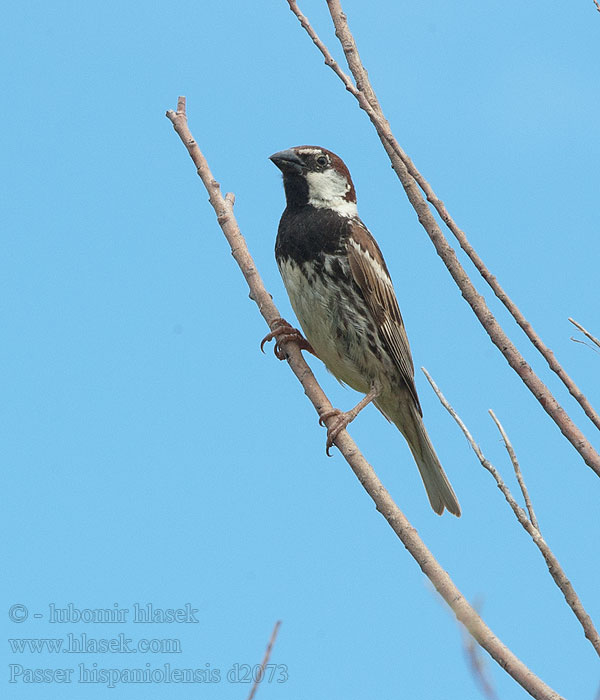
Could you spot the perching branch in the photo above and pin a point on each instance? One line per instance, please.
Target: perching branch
(411, 180)
(384, 503)
(530, 526)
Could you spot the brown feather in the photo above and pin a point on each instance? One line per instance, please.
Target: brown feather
(372, 277)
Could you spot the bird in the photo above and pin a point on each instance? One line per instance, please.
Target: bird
(342, 294)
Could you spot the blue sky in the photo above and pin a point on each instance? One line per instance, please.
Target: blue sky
(152, 454)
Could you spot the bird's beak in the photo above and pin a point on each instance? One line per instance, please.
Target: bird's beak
(287, 161)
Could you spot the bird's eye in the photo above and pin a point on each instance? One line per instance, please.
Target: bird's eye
(322, 160)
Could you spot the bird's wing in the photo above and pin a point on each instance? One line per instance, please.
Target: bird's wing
(371, 275)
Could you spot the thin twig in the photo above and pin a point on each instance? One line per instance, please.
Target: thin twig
(587, 345)
(554, 567)
(597, 5)
(265, 660)
(364, 472)
(517, 468)
(586, 333)
(409, 177)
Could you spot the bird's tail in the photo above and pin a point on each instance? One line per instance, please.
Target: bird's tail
(436, 482)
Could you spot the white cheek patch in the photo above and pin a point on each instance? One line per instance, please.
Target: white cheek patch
(327, 189)
(327, 184)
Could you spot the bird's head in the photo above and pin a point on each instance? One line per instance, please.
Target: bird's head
(315, 176)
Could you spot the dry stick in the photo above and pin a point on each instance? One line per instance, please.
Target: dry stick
(586, 333)
(517, 469)
(443, 248)
(554, 567)
(265, 660)
(384, 503)
(362, 83)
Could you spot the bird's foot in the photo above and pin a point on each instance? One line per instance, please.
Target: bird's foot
(282, 331)
(341, 421)
(344, 418)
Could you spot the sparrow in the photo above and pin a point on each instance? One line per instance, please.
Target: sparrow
(342, 294)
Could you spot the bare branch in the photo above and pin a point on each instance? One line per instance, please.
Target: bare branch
(554, 567)
(384, 503)
(517, 468)
(410, 177)
(586, 333)
(265, 660)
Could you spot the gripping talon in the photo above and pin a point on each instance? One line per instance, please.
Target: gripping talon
(334, 430)
(266, 339)
(328, 414)
(344, 418)
(282, 331)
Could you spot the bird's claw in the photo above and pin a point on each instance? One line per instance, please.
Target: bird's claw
(328, 414)
(344, 418)
(282, 331)
(335, 428)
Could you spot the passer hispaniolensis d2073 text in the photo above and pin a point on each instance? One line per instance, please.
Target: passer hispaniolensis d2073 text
(342, 294)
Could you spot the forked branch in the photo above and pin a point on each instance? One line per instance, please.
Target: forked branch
(517, 470)
(529, 524)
